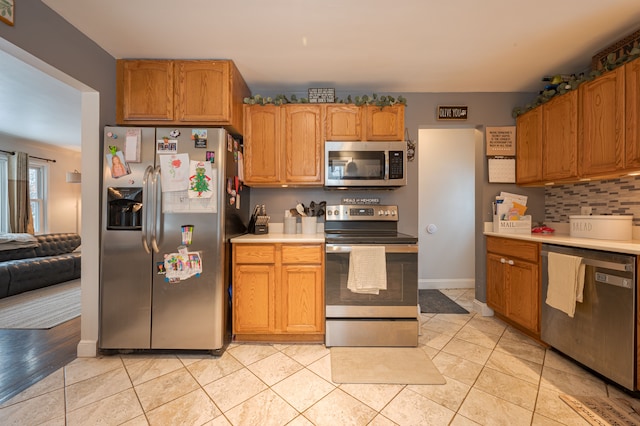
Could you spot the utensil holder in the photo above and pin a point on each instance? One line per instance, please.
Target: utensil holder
(309, 224)
(290, 224)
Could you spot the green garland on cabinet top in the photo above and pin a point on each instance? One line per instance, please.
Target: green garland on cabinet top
(374, 99)
(561, 84)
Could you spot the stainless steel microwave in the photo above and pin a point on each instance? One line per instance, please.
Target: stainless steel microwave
(365, 164)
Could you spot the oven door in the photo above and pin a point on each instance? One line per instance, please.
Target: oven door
(399, 300)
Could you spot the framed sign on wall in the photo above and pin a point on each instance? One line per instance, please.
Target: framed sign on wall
(501, 140)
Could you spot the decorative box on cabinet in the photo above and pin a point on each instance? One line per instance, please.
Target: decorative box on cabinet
(180, 92)
(278, 292)
(283, 145)
(513, 281)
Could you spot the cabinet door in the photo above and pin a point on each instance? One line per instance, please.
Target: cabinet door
(632, 111)
(203, 91)
(523, 294)
(253, 299)
(262, 154)
(529, 147)
(560, 137)
(601, 125)
(384, 123)
(302, 299)
(343, 123)
(303, 144)
(496, 283)
(144, 90)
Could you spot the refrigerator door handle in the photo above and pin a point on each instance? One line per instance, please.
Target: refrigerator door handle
(145, 206)
(157, 208)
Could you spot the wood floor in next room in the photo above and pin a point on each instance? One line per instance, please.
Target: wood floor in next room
(28, 356)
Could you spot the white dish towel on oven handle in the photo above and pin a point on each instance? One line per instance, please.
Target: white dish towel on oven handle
(367, 269)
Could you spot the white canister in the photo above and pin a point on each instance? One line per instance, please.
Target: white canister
(290, 225)
(309, 224)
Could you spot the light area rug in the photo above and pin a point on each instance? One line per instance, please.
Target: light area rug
(600, 411)
(382, 365)
(42, 308)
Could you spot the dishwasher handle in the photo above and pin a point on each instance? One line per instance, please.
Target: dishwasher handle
(624, 267)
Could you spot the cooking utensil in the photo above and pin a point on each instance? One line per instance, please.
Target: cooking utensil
(300, 208)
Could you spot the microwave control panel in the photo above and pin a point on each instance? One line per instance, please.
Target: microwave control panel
(396, 164)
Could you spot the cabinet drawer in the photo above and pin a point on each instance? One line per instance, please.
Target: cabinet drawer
(254, 253)
(514, 248)
(301, 254)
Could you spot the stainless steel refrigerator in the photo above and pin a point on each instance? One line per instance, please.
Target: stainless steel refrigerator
(146, 302)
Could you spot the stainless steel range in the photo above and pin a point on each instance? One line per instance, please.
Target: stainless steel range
(387, 313)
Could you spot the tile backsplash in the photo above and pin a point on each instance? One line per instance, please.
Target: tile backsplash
(614, 196)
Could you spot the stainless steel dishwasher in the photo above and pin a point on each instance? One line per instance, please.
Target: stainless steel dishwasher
(601, 335)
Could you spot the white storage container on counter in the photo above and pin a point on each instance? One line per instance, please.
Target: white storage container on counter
(601, 227)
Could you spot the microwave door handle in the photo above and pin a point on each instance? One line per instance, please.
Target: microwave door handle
(386, 165)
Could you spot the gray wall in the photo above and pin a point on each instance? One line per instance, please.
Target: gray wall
(44, 34)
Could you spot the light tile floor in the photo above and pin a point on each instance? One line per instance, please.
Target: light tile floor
(495, 376)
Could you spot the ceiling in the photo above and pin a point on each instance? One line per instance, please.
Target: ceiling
(356, 47)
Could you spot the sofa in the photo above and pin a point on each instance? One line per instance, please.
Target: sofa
(38, 261)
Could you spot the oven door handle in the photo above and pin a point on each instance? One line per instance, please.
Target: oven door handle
(388, 248)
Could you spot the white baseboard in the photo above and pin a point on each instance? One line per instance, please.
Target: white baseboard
(439, 284)
(482, 308)
(87, 349)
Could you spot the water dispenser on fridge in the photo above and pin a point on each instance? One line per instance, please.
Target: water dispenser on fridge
(125, 208)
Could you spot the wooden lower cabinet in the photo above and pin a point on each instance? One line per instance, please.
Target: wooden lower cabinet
(278, 292)
(513, 281)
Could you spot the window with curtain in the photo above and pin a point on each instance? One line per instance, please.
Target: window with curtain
(38, 195)
(4, 194)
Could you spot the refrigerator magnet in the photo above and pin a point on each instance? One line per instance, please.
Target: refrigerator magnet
(117, 164)
(199, 137)
(211, 157)
(160, 268)
(167, 146)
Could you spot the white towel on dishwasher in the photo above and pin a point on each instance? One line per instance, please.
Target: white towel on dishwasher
(566, 282)
(367, 269)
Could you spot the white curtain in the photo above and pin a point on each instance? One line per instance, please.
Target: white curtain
(20, 219)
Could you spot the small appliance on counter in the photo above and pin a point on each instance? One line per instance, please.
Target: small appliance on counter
(259, 222)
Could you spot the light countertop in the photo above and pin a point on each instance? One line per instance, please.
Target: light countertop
(276, 235)
(279, 238)
(629, 247)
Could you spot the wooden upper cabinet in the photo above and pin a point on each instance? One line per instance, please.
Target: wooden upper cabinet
(560, 138)
(343, 123)
(529, 147)
(602, 133)
(203, 90)
(283, 145)
(384, 123)
(262, 149)
(144, 91)
(196, 92)
(632, 111)
(303, 143)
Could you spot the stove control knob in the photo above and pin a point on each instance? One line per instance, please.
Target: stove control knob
(336, 212)
(380, 212)
(329, 212)
(393, 212)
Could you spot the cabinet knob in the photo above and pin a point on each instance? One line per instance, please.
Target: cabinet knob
(510, 262)
(503, 260)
